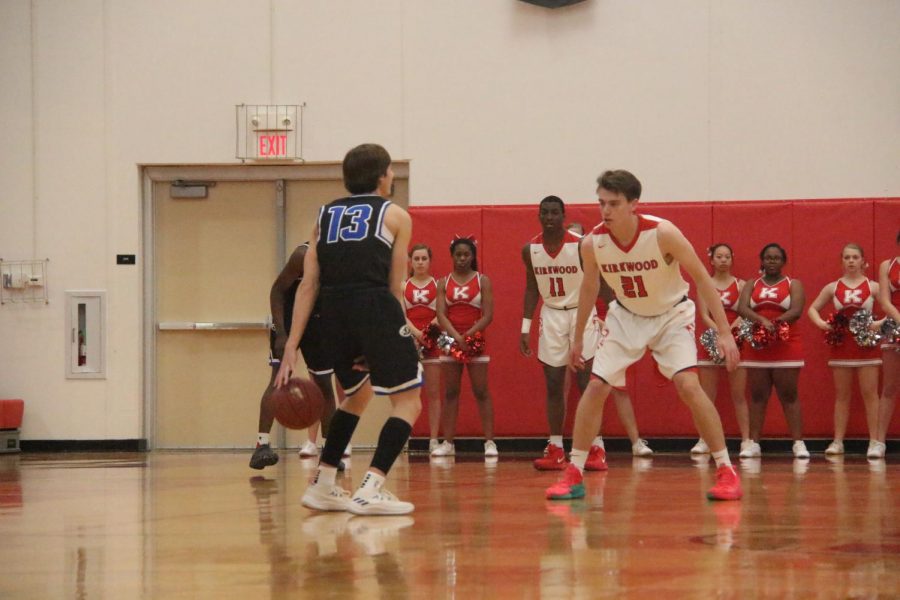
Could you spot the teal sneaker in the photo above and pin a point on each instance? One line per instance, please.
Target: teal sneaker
(569, 487)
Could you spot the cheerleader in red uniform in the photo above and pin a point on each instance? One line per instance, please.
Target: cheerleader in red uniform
(772, 297)
(465, 306)
(889, 300)
(420, 303)
(849, 294)
(729, 287)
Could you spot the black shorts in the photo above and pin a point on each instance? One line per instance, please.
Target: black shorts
(316, 353)
(368, 326)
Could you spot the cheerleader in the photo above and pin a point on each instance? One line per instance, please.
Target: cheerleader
(729, 287)
(774, 297)
(420, 303)
(465, 306)
(849, 294)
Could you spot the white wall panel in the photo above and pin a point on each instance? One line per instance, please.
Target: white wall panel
(493, 102)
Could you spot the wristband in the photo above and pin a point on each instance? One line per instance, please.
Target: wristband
(526, 326)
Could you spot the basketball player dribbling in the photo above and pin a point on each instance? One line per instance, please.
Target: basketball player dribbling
(357, 266)
(641, 258)
(315, 355)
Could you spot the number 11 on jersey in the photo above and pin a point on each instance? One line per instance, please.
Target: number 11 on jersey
(556, 287)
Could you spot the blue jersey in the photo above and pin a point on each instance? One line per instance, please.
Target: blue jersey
(354, 247)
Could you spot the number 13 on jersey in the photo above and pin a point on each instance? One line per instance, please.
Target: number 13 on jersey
(358, 227)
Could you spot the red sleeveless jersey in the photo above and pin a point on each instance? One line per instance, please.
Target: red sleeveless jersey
(463, 302)
(729, 297)
(420, 302)
(772, 301)
(848, 299)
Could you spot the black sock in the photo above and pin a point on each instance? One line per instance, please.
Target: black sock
(341, 429)
(391, 440)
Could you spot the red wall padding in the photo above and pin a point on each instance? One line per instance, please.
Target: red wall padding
(813, 233)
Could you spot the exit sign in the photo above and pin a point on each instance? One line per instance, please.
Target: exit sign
(268, 131)
(273, 146)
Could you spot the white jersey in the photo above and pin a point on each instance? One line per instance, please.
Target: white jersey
(558, 275)
(644, 284)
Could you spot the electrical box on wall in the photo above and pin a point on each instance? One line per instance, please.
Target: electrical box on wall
(23, 281)
(85, 334)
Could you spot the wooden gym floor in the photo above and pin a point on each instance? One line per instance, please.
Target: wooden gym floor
(204, 525)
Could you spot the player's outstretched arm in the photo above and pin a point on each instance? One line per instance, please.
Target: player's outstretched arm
(292, 271)
(587, 298)
(673, 243)
(303, 305)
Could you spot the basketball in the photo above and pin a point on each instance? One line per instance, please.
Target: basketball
(298, 404)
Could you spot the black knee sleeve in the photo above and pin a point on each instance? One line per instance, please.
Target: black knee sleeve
(341, 429)
(391, 440)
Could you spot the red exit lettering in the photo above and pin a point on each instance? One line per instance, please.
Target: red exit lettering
(273, 145)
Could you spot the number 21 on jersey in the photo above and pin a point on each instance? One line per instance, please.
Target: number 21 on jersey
(633, 287)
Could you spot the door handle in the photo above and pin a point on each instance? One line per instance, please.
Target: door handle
(212, 326)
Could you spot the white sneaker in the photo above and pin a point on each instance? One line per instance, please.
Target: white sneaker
(374, 534)
(800, 450)
(876, 449)
(835, 448)
(372, 501)
(348, 451)
(751, 465)
(309, 449)
(700, 447)
(490, 449)
(445, 448)
(640, 448)
(750, 449)
(320, 497)
(432, 445)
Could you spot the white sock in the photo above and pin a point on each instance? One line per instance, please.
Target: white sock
(578, 458)
(262, 439)
(721, 458)
(598, 441)
(325, 475)
(371, 481)
(556, 440)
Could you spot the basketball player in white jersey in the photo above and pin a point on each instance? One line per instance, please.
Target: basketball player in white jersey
(553, 272)
(640, 257)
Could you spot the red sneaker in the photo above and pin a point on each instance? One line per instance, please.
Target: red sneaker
(596, 460)
(728, 485)
(554, 459)
(569, 487)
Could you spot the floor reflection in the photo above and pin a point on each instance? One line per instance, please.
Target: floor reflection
(178, 524)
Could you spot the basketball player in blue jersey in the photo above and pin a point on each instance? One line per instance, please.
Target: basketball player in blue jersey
(640, 258)
(313, 346)
(357, 268)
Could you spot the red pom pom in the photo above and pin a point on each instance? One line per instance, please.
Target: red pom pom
(838, 322)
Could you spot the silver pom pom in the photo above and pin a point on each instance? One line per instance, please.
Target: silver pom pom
(859, 327)
(709, 339)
